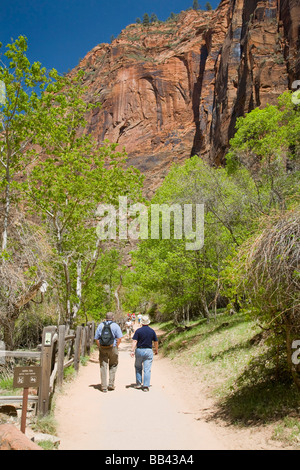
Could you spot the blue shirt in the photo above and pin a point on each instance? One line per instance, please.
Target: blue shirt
(115, 329)
(144, 337)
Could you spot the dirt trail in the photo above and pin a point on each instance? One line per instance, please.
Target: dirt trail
(165, 418)
(126, 418)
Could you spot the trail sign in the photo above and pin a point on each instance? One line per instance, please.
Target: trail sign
(26, 377)
(48, 338)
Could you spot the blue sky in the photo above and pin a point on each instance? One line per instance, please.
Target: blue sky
(61, 32)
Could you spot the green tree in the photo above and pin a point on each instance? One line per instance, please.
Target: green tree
(146, 20)
(153, 18)
(25, 254)
(49, 162)
(66, 186)
(22, 80)
(181, 280)
(172, 17)
(267, 142)
(195, 5)
(264, 272)
(208, 6)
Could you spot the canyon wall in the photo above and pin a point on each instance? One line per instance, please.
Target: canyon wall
(175, 89)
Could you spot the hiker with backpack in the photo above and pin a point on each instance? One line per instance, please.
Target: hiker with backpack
(108, 336)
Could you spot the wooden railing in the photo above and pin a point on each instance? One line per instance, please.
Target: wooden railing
(60, 348)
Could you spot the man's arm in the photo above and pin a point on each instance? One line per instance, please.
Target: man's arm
(97, 336)
(118, 335)
(133, 347)
(155, 347)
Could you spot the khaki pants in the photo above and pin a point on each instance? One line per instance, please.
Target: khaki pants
(108, 358)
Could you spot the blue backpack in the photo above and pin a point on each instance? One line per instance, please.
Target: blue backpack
(106, 337)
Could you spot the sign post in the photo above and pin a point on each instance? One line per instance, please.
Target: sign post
(25, 377)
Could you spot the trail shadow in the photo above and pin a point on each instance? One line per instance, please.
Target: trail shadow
(96, 387)
(95, 361)
(133, 385)
(261, 403)
(262, 393)
(195, 335)
(246, 345)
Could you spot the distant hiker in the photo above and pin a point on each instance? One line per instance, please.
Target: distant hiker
(108, 337)
(142, 349)
(129, 328)
(133, 318)
(139, 318)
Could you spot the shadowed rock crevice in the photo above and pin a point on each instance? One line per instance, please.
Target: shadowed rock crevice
(196, 99)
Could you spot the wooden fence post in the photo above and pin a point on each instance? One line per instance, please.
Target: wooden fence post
(83, 343)
(61, 354)
(77, 347)
(88, 341)
(46, 364)
(71, 344)
(92, 333)
(91, 330)
(84, 338)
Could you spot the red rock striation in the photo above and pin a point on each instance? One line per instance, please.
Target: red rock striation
(175, 89)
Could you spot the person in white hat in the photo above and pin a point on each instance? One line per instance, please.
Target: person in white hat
(142, 348)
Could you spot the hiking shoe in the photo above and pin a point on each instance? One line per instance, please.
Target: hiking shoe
(137, 386)
(145, 389)
(111, 387)
(104, 390)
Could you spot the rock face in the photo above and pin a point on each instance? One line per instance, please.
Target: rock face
(175, 89)
(13, 439)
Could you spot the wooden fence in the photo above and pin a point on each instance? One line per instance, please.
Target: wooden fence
(60, 348)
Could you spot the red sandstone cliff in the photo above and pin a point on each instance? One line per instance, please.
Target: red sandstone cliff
(175, 89)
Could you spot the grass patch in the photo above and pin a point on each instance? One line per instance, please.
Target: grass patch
(6, 384)
(84, 360)
(45, 424)
(288, 431)
(69, 373)
(47, 445)
(221, 345)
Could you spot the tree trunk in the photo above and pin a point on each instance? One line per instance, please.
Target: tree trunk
(117, 296)
(68, 293)
(8, 324)
(204, 306)
(7, 197)
(32, 291)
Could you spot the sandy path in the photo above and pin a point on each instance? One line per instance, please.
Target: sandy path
(130, 419)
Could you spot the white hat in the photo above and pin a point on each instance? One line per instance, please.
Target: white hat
(145, 320)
